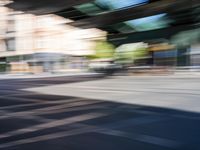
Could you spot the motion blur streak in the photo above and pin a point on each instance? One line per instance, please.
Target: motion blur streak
(99, 74)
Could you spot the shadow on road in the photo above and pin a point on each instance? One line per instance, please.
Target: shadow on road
(38, 121)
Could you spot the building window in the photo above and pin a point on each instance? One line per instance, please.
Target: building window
(10, 44)
(11, 26)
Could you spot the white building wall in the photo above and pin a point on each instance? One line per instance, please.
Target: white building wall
(48, 33)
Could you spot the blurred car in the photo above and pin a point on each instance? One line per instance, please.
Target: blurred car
(106, 66)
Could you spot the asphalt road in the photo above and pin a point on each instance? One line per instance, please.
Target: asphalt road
(35, 121)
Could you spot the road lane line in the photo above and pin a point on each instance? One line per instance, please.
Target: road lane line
(40, 103)
(56, 123)
(47, 109)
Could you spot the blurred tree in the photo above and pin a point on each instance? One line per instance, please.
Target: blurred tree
(103, 50)
(128, 53)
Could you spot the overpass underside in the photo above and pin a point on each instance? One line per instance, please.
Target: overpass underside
(124, 20)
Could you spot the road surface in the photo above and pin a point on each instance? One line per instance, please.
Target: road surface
(53, 113)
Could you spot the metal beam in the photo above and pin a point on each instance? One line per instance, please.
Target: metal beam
(165, 33)
(40, 7)
(164, 6)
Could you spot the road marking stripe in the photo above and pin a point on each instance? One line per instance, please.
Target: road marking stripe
(48, 137)
(40, 103)
(54, 123)
(47, 109)
(88, 129)
(143, 138)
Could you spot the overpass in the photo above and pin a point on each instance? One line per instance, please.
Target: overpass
(124, 20)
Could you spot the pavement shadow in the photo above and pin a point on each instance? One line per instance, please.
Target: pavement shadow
(37, 121)
(32, 121)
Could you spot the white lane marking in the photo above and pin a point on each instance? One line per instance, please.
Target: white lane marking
(143, 138)
(48, 137)
(44, 120)
(123, 123)
(40, 103)
(88, 129)
(133, 136)
(54, 123)
(47, 109)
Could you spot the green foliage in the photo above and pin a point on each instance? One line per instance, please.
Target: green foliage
(103, 49)
(127, 55)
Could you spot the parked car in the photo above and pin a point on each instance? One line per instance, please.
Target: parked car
(106, 66)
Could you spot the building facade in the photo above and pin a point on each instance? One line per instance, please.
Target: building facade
(30, 43)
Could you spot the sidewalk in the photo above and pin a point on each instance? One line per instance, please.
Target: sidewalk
(43, 75)
(171, 74)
